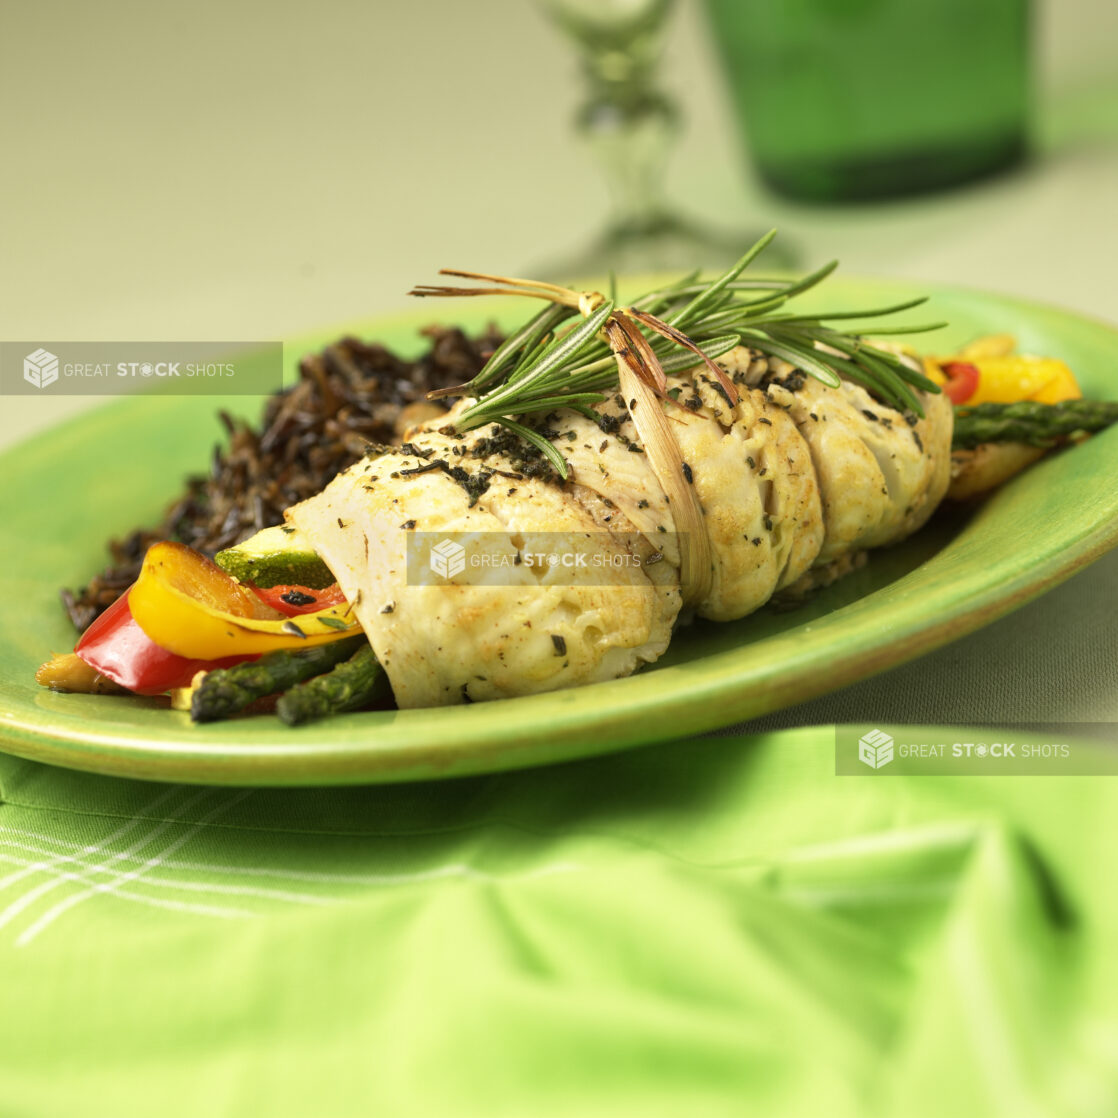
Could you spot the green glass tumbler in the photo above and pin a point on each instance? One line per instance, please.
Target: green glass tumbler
(850, 100)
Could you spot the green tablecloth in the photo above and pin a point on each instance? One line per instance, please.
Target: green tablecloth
(713, 927)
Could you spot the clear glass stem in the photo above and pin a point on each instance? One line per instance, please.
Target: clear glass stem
(630, 124)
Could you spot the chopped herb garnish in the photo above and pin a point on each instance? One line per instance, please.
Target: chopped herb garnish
(437, 464)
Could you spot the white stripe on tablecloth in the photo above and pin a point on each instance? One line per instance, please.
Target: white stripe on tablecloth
(195, 909)
(155, 902)
(166, 882)
(453, 869)
(19, 905)
(130, 825)
(52, 914)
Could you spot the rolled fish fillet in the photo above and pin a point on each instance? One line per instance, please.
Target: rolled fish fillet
(795, 477)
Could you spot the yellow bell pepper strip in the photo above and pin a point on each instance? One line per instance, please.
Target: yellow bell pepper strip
(989, 345)
(190, 606)
(1004, 377)
(1007, 380)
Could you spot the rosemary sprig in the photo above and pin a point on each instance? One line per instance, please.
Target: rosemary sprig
(545, 365)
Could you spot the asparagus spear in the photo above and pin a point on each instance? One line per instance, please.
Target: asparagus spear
(225, 691)
(1030, 422)
(350, 686)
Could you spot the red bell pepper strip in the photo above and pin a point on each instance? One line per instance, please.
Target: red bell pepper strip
(962, 381)
(295, 600)
(117, 647)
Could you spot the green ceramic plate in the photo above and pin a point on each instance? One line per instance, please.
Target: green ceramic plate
(67, 490)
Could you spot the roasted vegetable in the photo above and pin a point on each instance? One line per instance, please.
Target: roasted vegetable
(116, 647)
(1029, 422)
(69, 672)
(275, 556)
(191, 607)
(988, 371)
(1010, 408)
(227, 691)
(354, 684)
(962, 382)
(295, 601)
(1006, 379)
